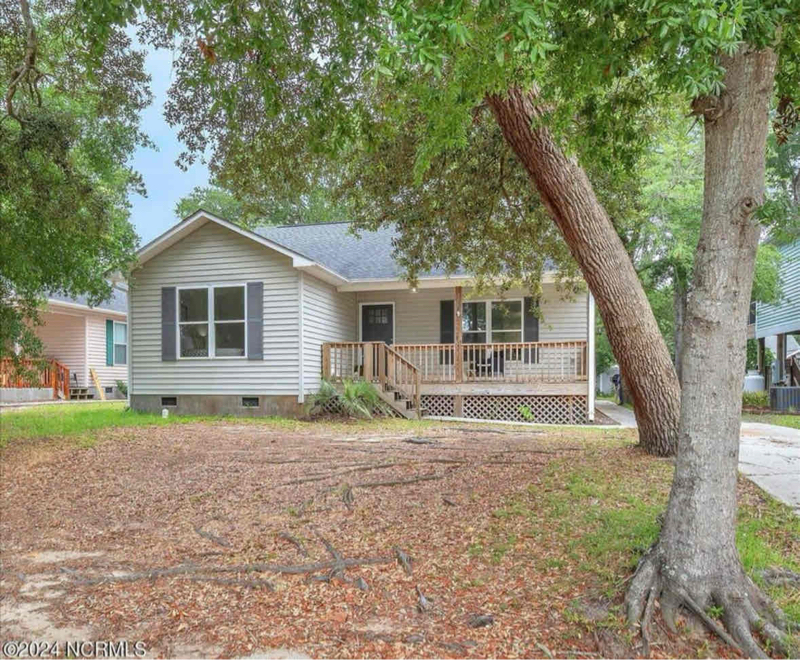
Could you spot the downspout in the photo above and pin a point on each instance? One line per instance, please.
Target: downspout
(129, 336)
(86, 352)
(301, 395)
(590, 366)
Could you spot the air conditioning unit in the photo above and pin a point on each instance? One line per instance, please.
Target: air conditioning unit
(784, 398)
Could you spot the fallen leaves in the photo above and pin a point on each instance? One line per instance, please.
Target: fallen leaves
(240, 537)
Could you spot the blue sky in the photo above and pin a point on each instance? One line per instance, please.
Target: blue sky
(165, 182)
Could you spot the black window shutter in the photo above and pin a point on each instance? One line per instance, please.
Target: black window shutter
(168, 324)
(446, 328)
(530, 327)
(255, 320)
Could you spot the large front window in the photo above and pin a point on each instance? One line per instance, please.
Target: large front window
(492, 321)
(211, 322)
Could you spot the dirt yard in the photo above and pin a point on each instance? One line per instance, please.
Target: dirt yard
(227, 539)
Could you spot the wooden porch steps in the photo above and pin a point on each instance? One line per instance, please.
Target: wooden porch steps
(399, 402)
(80, 394)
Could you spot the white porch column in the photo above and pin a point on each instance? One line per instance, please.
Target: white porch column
(590, 368)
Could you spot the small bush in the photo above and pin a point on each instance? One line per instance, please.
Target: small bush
(357, 399)
(755, 399)
(122, 386)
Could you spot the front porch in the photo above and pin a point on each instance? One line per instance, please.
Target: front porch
(520, 381)
(450, 352)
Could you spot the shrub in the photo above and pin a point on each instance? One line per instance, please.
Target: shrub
(752, 355)
(357, 399)
(122, 386)
(755, 399)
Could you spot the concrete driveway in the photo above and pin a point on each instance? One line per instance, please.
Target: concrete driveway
(769, 455)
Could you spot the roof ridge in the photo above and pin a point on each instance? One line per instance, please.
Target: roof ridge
(309, 224)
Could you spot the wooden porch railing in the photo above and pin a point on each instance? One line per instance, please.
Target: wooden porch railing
(35, 373)
(375, 362)
(519, 362)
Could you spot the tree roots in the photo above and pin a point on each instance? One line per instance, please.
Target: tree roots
(746, 612)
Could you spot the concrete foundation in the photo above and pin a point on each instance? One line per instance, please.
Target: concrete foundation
(220, 404)
(25, 394)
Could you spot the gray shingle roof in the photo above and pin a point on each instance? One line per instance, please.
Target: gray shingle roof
(364, 257)
(117, 303)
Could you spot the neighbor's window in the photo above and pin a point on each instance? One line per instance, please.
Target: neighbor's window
(212, 322)
(120, 343)
(507, 320)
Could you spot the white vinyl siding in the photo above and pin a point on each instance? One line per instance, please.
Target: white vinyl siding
(328, 316)
(97, 353)
(63, 339)
(783, 318)
(417, 314)
(214, 255)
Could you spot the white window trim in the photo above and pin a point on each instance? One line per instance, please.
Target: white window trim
(210, 322)
(488, 303)
(115, 343)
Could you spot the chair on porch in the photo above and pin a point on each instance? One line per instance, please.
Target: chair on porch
(489, 364)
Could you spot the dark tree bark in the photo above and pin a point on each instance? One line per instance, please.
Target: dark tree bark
(695, 562)
(632, 330)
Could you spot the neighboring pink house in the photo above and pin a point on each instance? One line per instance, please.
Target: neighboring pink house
(80, 338)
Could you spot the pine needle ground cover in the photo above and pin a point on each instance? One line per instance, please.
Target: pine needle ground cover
(379, 539)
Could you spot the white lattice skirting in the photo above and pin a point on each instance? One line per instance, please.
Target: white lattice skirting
(513, 408)
(438, 405)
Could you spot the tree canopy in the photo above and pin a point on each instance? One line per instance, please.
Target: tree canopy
(319, 205)
(69, 123)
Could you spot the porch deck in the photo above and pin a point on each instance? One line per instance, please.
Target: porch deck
(496, 368)
(35, 374)
(525, 381)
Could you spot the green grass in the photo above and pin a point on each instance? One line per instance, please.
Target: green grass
(83, 421)
(599, 515)
(75, 420)
(790, 421)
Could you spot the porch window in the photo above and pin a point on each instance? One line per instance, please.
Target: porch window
(120, 343)
(492, 321)
(473, 322)
(506, 320)
(212, 322)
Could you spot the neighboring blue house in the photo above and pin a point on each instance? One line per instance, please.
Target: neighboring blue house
(783, 320)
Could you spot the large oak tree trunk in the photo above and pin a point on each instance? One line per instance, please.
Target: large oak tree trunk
(632, 330)
(695, 562)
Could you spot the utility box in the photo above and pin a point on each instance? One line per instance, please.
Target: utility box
(784, 398)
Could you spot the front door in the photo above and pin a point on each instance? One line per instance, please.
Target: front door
(377, 323)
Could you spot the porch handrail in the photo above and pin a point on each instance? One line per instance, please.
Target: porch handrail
(46, 373)
(375, 362)
(520, 362)
(401, 374)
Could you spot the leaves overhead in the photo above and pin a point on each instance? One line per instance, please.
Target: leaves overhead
(64, 145)
(281, 97)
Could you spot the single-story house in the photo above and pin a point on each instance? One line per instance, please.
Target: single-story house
(77, 339)
(228, 320)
